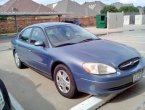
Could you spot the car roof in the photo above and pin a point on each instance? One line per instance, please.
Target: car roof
(48, 24)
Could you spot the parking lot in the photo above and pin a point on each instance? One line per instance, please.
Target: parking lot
(36, 92)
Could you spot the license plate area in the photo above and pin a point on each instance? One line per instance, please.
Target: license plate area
(137, 76)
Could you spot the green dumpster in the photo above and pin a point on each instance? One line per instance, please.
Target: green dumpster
(101, 21)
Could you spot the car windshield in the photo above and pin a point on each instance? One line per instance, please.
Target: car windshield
(62, 35)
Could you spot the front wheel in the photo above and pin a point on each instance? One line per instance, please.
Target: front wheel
(64, 82)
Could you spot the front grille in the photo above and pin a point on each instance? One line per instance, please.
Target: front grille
(129, 64)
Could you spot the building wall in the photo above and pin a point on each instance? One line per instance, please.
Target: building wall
(9, 25)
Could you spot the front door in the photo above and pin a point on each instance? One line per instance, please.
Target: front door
(38, 54)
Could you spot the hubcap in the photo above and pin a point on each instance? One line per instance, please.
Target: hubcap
(63, 81)
(17, 60)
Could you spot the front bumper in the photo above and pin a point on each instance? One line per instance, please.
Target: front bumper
(118, 84)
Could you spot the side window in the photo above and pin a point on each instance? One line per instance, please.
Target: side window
(24, 36)
(37, 35)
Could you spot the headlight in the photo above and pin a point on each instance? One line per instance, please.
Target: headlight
(98, 68)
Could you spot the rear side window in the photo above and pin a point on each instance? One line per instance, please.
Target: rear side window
(25, 35)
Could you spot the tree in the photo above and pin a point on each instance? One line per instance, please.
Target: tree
(109, 8)
(128, 9)
(144, 9)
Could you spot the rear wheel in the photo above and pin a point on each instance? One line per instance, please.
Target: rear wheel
(18, 62)
(64, 82)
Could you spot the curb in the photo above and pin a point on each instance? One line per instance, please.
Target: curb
(94, 102)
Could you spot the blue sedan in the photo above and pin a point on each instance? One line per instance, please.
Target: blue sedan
(77, 60)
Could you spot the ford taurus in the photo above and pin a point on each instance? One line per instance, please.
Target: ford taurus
(77, 60)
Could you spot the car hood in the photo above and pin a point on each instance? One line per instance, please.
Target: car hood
(100, 51)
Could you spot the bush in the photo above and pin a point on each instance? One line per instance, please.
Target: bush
(3, 18)
(109, 8)
(128, 9)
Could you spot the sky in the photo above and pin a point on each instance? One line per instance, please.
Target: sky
(45, 2)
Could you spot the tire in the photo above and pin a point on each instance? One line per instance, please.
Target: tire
(64, 82)
(18, 62)
(5, 95)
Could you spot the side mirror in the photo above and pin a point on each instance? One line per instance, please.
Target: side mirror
(39, 43)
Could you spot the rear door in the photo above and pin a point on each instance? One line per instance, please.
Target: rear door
(23, 45)
(38, 54)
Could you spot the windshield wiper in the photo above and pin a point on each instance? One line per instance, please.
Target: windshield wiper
(69, 43)
(65, 44)
(87, 40)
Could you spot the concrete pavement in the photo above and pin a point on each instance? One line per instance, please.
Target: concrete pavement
(99, 31)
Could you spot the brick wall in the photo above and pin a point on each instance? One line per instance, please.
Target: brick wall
(88, 21)
(9, 25)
